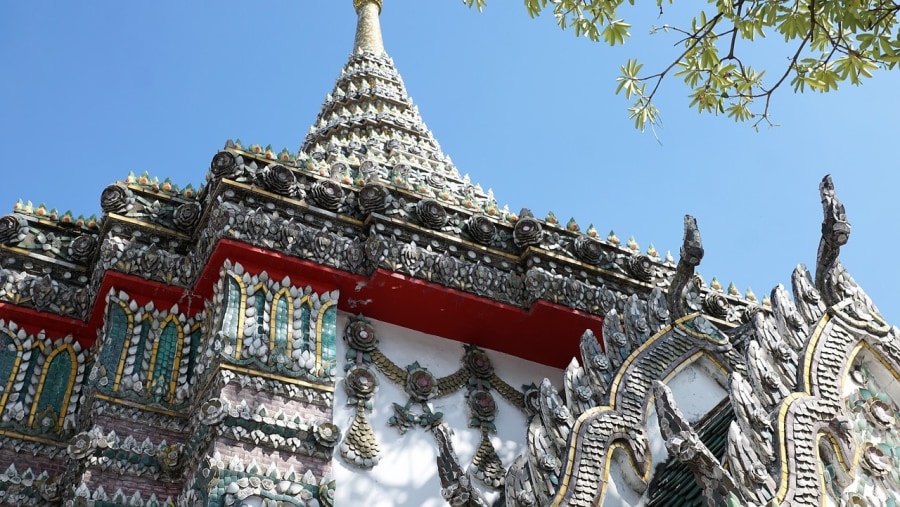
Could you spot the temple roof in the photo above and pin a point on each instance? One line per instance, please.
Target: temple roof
(373, 192)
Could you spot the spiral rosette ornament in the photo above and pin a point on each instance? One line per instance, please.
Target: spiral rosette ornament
(115, 199)
(482, 229)
(478, 363)
(716, 305)
(327, 194)
(875, 461)
(431, 213)
(223, 164)
(360, 383)
(50, 490)
(588, 249)
(360, 335)
(641, 267)
(214, 411)
(482, 406)
(371, 198)
(527, 232)
(81, 446)
(326, 494)
(279, 179)
(420, 384)
(328, 434)
(186, 216)
(12, 227)
(880, 413)
(82, 248)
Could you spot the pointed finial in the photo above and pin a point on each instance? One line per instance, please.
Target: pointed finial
(368, 28)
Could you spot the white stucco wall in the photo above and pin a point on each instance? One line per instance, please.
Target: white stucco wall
(407, 474)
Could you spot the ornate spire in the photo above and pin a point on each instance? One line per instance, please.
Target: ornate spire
(368, 29)
(369, 120)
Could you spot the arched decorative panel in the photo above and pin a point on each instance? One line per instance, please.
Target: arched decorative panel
(54, 390)
(162, 375)
(10, 358)
(119, 324)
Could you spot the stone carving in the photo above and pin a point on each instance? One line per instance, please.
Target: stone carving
(785, 385)
(223, 165)
(186, 216)
(641, 267)
(360, 446)
(372, 198)
(279, 179)
(82, 248)
(477, 375)
(683, 294)
(116, 199)
(353, 200)
(588, 249)
(431, 213)
(605, 393)
(11, 228)
(327, 194)
(482, 229)
(527, 231)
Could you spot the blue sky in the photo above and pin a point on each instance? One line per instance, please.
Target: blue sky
(91, 91)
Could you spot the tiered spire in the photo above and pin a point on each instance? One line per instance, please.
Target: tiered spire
(369, 117)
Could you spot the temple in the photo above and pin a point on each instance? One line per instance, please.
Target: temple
(355, 324)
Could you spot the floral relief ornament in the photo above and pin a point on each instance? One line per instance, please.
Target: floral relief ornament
(361, 336)
(483, 408)
(478, 362)
(420, 383)
(360, 385)
(420, 386)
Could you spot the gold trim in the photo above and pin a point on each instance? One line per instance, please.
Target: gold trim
(274, 376)
(32, 438)
(878, 355)
(147, 408)
(153, 350)
(788, 402)
(46, 258)
(147, 225)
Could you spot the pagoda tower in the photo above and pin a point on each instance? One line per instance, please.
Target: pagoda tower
(357, 324)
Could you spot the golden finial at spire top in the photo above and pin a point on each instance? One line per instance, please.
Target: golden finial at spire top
(368, 29)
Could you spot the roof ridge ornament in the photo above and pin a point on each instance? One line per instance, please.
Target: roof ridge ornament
(683, 295)
(368, 28)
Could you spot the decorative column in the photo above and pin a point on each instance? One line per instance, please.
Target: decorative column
(368, 29)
